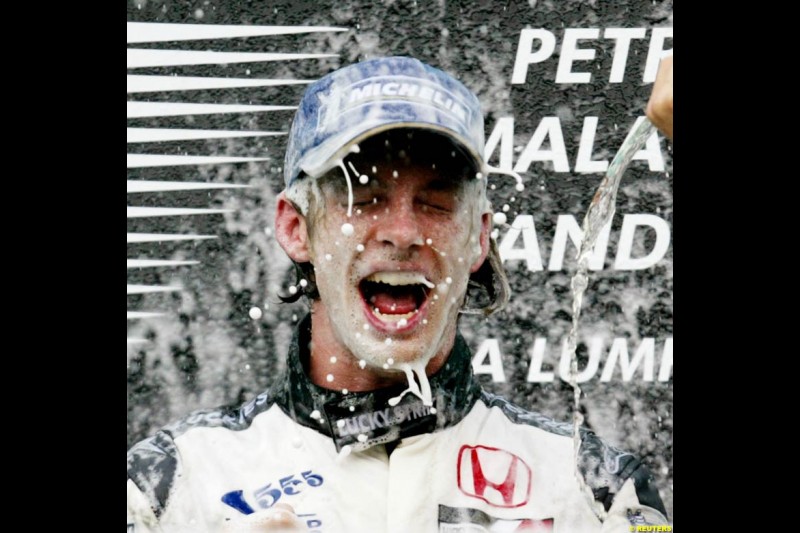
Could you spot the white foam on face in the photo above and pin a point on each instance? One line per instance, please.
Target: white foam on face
(422, 391)
(345, 451)
(340, 163)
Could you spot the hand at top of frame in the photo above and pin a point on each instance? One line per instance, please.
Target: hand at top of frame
(659, 107)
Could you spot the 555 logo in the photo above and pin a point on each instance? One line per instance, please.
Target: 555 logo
(268, 495)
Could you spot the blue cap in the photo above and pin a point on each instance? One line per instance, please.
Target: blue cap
(360, 100)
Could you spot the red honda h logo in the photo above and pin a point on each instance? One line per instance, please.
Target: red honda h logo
(495, 476)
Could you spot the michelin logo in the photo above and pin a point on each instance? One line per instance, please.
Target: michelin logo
(334, 104)
(415, 91)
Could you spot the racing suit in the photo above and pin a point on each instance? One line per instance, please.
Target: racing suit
(352, 463)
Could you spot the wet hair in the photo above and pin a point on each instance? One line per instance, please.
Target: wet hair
(487, 290)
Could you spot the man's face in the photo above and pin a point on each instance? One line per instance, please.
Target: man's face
(391, 288)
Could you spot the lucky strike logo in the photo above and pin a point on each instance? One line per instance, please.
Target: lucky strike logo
(495, 476)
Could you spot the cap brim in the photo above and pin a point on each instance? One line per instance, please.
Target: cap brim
(332, 152)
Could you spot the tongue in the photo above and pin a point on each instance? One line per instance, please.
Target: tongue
(393, 304)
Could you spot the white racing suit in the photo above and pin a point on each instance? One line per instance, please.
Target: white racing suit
(350, 463)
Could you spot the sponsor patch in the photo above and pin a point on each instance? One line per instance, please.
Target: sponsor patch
(495, 476)
(466, 520)
(392, 90)
(364, 422)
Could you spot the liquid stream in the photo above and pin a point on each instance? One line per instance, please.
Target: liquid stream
(600, 212)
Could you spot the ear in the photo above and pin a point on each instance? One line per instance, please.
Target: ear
(291, 230)
(486, 228)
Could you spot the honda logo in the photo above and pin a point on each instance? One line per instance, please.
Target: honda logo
(495, 476)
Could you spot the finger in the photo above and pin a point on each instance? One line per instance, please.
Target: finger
(279, 518)
(659, 106)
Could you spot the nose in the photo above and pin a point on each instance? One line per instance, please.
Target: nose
(400, 226)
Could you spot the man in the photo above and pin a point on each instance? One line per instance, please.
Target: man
(378, 424)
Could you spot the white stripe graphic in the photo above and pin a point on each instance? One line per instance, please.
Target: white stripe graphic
(146, 84)
(142, 314)
(176, 109)
(148, 263)
(142, 57)
(152, 32)
(159, 160)
(142, 289)
(148, 135)
(135, 340)
(144, 212)
(162, 186)
(165, 237)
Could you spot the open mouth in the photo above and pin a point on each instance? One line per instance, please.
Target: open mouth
(395, 298)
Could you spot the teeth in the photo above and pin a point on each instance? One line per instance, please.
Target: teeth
(400, 278)
(394, 318)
